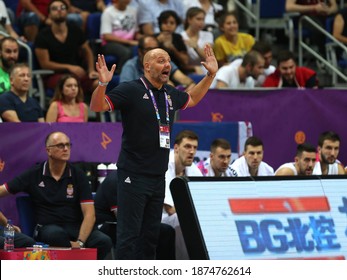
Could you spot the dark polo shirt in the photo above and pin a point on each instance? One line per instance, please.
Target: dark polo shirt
(28, 111)
(55, 202)
(140, 151)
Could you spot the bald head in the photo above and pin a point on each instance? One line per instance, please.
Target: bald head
(157, 67)
(54, 137)
(153, 54)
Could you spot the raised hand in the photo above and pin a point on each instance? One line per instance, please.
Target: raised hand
(210, 62)
(105, 75)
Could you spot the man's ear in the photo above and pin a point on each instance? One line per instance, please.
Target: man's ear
(146, 66)
(248, 67)
(296, 159)
(319, 149)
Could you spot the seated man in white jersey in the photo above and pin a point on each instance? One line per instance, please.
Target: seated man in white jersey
(305, 160)
(265, 50)
(218, 164)
(251, 163)
(328, 151)
(241, 73)
(180, 164)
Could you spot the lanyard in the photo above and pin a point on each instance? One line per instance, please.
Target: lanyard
(155, 103)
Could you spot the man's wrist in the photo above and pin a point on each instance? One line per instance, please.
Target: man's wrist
(104, 84)
(80, 243)
(208, 74)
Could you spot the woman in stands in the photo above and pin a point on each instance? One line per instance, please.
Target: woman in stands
(195, 39)
(171, 41)
(212, 12)
(231, 44)
(67, 104)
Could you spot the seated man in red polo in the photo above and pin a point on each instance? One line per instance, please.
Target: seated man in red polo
(288, 74)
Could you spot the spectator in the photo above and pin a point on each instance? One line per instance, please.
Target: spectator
(251, 163)
(241, 73)
(20, 239)
(106, 218)
(195, 39)
(212, 10)
(79, 10)
(305, 160)
(6, 25)
(67, 104)
(133, 68)
(149, 11)
(119, 31)
(33, 15)
(180, 164)
(147, 108)
(9, 50)
(90, 6)
(339, 31)
(171, 41)
(231, 44)
(218, 164)
(312, 7)
(62, 200)
(16, 105)
(288, 74)
(328, 151)
(265, 50)
(63, 48)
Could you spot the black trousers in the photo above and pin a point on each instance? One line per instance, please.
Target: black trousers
(140, 204)
(60, 236)
(166, 243)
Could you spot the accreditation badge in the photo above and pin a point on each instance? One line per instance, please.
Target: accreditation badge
(164, 136)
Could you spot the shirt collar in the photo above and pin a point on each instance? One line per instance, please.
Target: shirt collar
(151, 87)
(47, 172)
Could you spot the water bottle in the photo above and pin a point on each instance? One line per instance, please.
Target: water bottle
(9, 236)
(111, 167)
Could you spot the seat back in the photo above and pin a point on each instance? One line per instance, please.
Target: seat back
(269, 10)
(264, 15)
(93, 26)
(26, 214)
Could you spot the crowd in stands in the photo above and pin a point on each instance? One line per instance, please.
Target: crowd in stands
(56, 32)
(57, 35)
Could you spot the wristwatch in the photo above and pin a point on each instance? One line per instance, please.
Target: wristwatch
(80, 243)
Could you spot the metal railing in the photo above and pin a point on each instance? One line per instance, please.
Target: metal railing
(25, 46)
(252, 12)
(37, 74)
(253, 16)
(333, 67)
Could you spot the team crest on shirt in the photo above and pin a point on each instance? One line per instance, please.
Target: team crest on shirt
(69, 191)
(170, 102)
